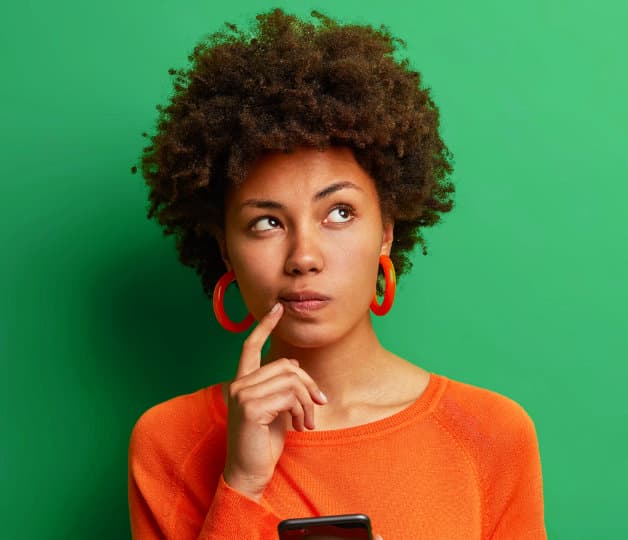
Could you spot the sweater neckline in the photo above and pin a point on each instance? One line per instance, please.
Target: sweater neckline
(422, 406)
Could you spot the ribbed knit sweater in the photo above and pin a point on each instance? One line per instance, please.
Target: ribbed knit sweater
(461, 462)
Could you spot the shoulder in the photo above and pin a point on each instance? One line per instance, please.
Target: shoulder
(172, 428)
(498, 436)
(484, 421)
(163, 460)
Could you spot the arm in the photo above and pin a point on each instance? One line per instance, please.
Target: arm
(159, 510)
(166, 492)
(232, 515)
(522, 514)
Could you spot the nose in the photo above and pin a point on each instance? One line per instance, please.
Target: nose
(305, 255)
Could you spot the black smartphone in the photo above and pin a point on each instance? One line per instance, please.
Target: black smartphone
(355, 526)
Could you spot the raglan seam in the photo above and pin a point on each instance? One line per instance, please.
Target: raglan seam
(180, 476)
(474, 466)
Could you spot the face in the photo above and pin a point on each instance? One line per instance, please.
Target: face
(306, 229)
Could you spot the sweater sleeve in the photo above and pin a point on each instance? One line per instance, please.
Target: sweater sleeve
(232, 515)
(163, 501)
(522, 516)
(500, 438)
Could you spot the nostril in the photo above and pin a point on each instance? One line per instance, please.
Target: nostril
(300, 263)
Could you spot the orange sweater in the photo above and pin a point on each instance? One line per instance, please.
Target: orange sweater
(460, 463)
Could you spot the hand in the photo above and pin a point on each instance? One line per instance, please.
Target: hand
(262, 403)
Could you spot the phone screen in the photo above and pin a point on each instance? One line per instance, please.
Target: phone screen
(352, 526)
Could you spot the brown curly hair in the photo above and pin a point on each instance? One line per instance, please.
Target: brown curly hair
(289, 83)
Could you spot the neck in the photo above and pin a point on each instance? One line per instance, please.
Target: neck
(346, 369)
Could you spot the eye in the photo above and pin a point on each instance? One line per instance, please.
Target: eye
(266, 223)
(340, 214)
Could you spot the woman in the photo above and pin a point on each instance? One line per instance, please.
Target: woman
(297, 162)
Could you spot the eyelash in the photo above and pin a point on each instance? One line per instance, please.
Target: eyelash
(346, 207)
(261, 218)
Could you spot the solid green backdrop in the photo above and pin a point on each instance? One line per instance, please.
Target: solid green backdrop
(523, 291)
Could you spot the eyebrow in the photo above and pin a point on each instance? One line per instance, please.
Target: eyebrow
(274, 205)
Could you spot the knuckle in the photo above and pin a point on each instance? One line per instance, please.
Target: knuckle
(251, 407)
(243, 396)
(233, 390)
(293, 379)
(289, 399)
(287, 395)
(248, 344)
(286, 364)
(239, 393)
(247, 406)
(308, 406)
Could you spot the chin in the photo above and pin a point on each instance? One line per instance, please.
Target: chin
(307, 336)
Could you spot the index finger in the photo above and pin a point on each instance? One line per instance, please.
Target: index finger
(251, 358)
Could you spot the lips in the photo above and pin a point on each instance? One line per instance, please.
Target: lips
(304, 301)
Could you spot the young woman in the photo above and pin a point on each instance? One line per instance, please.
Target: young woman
(302, 162)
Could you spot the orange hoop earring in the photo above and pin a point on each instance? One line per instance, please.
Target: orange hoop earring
(219, 306)
(391, 286)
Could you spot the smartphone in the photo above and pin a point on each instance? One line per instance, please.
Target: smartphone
(355, 526)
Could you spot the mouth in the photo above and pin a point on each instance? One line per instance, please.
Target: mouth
(304, 301)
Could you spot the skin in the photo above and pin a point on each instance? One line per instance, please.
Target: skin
(309, 221)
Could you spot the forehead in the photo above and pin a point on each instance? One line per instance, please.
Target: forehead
(300, 174)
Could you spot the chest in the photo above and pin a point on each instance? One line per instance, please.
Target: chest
(410, 486)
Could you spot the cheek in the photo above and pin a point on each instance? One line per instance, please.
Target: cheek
(257, 273)
(354, 268)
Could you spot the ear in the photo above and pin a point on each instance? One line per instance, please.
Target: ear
(222, 245)
(387, 237)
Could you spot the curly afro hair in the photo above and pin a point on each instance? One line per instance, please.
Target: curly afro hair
(289, 83)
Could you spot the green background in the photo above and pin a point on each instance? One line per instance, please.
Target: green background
(524, 290)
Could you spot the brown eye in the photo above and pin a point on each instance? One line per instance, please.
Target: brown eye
(266, 223)
(340, 214)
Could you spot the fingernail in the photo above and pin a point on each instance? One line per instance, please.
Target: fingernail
(323, 396)
(275, 307)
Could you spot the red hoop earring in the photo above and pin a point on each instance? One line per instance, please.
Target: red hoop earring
(219, 306)
(391, 286)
